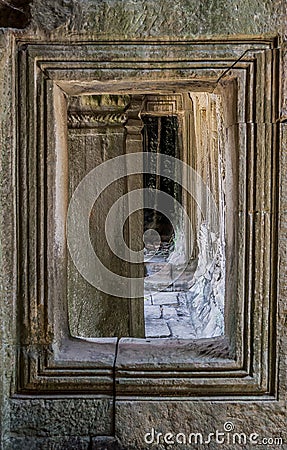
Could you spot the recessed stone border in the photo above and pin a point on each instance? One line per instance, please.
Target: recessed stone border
(50, 360)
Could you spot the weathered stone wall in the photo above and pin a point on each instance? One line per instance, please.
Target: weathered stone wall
(75, 423)
(7, 271)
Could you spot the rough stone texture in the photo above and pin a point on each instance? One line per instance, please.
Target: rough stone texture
(89, 318)
(152, 18)
(282, 272)
(70, 423)
(7, 233)
(105, 443)
(63, 443)
(55, 443)
(66, 417)
(265, 419)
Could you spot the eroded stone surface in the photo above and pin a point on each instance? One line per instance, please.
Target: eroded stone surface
(48, 443)
(61, 417)
(267, 420)
(152, 18)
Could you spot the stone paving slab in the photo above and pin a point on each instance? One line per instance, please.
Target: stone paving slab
(152, 312)
(157, 328)
(181, 328)
(164, 298)
(168, 312)
(167, 316)
(148, 300)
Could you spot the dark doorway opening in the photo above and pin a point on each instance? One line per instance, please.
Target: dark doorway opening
(160, 135)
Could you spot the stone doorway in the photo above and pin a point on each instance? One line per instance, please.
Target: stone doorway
(184, 265)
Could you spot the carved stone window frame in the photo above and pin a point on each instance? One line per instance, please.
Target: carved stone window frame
(51, 362)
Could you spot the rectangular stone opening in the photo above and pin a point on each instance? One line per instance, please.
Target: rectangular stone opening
(184, 266)
(54, 78)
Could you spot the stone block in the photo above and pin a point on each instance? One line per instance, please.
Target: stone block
(266, 420)
(105, 443)
(48, 443)
(61, 417)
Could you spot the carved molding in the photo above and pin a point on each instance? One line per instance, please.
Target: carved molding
(89, 120)
(50, 361)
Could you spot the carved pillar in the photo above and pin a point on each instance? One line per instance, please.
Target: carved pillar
(96, 134)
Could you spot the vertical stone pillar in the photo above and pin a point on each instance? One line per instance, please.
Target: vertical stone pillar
(96, 134)
(133, 143)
